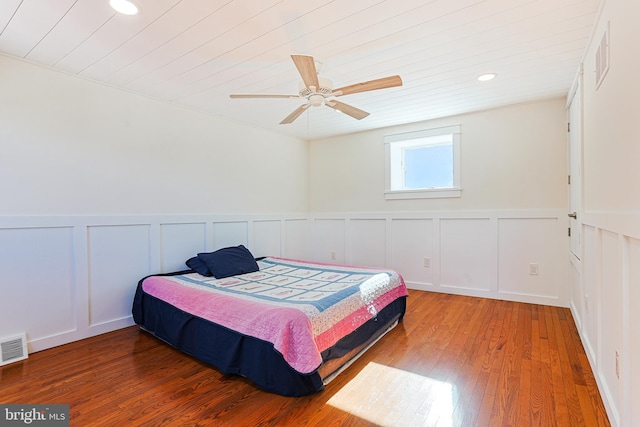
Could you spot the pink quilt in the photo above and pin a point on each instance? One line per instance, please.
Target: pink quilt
(302, 308)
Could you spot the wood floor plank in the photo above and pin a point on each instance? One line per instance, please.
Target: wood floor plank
(473, 392)
(453, 361)
(505, 404)
(490, 405)
(524, 389)
(567, 359)
(592, 392)
(560, 401)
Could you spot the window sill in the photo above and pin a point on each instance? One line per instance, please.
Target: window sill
(432, 193)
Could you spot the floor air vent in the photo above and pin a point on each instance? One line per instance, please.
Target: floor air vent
(13, 349)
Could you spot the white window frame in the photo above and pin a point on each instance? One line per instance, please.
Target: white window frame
(422, 193)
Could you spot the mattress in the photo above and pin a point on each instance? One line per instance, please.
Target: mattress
(279, 326)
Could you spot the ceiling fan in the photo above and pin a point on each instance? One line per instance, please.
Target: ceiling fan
(318, 90)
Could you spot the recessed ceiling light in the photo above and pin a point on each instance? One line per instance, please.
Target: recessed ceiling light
(487, 77)
(124, 6)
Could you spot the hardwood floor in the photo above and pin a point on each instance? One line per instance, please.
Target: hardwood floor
(454, 361)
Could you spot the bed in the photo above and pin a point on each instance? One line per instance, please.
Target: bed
(287, 325)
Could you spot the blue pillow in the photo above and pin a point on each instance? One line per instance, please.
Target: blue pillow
(198, 266)
(228, 262)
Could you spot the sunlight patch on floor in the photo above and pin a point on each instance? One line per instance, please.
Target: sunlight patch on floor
(389, 396)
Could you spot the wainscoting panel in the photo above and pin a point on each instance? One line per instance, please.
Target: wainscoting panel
(484, 254)
(38, 281)
(608, 308)
(74, 277)
(119, 255)
(328, 240)
(367, 242)
(68, 278)
(179, 242)
(267, 238)
(591, 286)
(467, 253)
(411, 242)
(610, 315)
(296, 239)
(232, 233)
(533, 268)
(577, 293)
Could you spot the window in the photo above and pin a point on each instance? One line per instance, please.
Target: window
(423, 164)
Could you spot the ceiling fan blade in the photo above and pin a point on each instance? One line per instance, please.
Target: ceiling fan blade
(382, 83)
(350, 110)
(294, 115)
(307, 68)
(260, 95)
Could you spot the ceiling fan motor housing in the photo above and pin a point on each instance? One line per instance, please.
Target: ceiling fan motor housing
(325, 89)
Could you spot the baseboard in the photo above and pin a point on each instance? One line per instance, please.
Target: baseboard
(66, 337)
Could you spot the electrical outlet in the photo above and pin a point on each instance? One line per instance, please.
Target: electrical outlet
(533, 269)
(618, 364)
(427, 262)
(333, 255)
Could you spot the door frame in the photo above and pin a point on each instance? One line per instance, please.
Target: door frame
(575, 165)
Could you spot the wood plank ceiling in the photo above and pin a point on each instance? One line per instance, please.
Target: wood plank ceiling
(197, 52)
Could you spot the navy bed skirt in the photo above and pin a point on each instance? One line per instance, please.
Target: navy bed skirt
(235, 353)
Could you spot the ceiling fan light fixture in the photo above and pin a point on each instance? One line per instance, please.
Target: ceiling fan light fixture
(487, 77)
(125, 7)
(316, 100)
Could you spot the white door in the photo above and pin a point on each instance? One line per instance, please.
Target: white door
(575, 172)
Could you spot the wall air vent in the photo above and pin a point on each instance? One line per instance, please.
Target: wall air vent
(602, 58)
(13, 349)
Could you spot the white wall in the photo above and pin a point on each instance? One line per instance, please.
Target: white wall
(512, 212)
(73, 147)
(511, 158)
(100, 187)
(606, 291)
